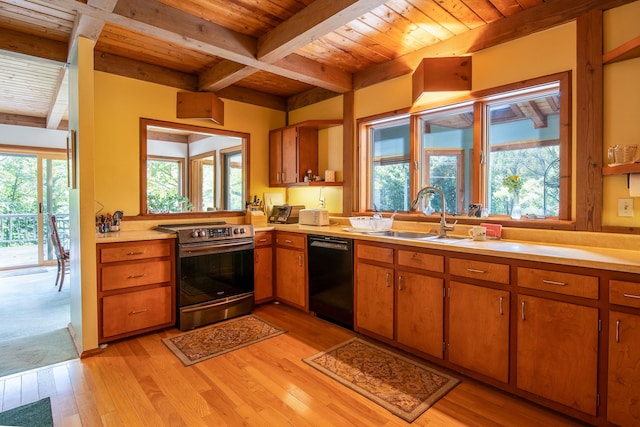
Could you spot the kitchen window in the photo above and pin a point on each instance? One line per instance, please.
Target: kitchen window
(472, 149)
(165, 192)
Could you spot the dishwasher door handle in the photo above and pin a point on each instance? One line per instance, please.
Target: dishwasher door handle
(330, 245)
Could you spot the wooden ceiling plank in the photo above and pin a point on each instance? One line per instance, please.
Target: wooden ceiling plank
(462, 13)
(484, 9)
(224, 74)
(153, 51)
(312, 22)
(22, 120)
(436, 13)
(507, 7)
(33, 27)
(415, 15)
(411, 36)
(253, 18)
(534, 19)
(45, 13)
(161, 21)
(30, 45)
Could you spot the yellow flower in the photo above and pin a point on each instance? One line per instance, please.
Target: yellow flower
(513, 183)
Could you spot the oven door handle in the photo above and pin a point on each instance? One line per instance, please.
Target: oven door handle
(217, 303)
(214, 248)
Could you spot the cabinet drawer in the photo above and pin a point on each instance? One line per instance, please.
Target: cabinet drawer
(263, 238)
(562, 283)
(489, 271)
(624, 293)
(119, 276)
(421, 260)
(133, 311)
(291, 240)
(132, 251)
(374, 253)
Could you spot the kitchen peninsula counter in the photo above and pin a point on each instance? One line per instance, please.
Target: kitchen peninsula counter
(605, 258)
(132, 236)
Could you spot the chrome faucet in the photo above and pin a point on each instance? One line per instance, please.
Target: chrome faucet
(443, 221)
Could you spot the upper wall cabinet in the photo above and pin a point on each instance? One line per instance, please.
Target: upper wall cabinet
(293, 150)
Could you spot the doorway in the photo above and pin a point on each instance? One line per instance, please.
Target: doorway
(33, 185)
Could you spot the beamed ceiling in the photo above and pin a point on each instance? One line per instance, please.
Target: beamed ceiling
(281, 54)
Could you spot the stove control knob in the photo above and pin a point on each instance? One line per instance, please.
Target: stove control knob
(195, 233)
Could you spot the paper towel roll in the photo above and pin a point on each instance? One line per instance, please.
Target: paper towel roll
(634, 185)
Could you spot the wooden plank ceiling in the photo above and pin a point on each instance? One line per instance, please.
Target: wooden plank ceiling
(278, 53)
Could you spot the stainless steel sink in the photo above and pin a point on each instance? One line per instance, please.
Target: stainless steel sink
(417, 235)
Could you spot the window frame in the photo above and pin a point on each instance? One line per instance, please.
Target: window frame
(478, 174)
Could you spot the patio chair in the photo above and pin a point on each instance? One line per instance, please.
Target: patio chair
(62, 255)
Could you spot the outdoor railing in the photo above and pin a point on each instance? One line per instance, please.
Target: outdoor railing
(22, 229)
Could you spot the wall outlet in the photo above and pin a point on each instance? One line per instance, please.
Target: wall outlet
(625, 207)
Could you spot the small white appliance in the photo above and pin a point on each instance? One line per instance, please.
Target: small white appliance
(313, 217)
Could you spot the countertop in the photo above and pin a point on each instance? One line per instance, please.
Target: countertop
(622, 260)
(132, 236)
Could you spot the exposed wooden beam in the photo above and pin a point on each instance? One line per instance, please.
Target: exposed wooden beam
(589, 129)
(314, 21)
(241, 94)
(537, 18)
(126, 67)
(164, 22)
(60, 103)
(224, 74)
(309, 97)
(34, 46)
(31, 121)
(182, 29)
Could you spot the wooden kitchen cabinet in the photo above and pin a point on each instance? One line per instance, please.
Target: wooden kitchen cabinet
(293, 150)
(420, 312)
(374, 296)
(479, 317)
(263, 266)
(479, 329)
(557, 351)
(291, 269)
(623, 406)
(397, 303)
(136, 287)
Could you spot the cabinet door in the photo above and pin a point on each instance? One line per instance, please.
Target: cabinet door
(290, 276)
(623, 406)
(289, 156)
(479, 329)
(557, 351)
(263, 273)
(275, 158)
(374, 299)
(420, 317)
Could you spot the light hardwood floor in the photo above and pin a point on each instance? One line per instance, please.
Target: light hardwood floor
(139, 382)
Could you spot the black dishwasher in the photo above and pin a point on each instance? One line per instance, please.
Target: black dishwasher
(331, 278)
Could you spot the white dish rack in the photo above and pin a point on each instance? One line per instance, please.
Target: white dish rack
(370, 223)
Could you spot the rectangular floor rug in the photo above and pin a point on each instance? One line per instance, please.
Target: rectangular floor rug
(400, 385)
(219, 338)
(32, 414)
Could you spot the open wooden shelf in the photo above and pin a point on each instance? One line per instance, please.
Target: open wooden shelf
(628, 50)
(621, 169)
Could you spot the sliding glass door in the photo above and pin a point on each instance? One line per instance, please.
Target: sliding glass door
(33, 185)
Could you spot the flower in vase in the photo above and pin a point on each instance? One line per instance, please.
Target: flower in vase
(513, 183)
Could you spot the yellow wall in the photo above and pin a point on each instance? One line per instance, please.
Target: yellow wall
(329, 156)
(621, 107)
(123, 101)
